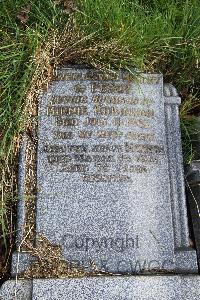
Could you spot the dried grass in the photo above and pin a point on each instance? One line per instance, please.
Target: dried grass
(70, 46)
(50, 263)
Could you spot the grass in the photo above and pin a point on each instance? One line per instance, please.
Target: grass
(157, 36)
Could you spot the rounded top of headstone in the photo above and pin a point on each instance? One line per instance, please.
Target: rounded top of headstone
(170, 90)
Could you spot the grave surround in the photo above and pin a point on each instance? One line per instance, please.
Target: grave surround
(105, 182)
(110, 176)
(124, 288)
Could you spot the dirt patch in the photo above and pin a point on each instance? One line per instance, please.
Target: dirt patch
(51, 264)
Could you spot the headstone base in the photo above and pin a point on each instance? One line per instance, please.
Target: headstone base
(97, 288)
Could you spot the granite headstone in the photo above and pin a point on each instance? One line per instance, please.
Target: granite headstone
(110, 184)
(109, 172)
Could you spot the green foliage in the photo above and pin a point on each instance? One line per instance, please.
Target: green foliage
(162, 36)
(159, 36)
(19, 42)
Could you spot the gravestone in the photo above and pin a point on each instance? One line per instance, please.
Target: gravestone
(110, 184)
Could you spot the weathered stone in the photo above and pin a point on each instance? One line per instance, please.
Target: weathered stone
(110, 178)
(16, 290)
(111, 190)
(111, 288)
(122, 288)
(21, 261)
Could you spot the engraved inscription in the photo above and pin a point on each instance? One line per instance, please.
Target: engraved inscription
(124, 111)
(101, 132)
(131, 122)
(66, 122)
(97, 75)
(68, 99)
(110, 88)
(63, 135)
(66, 110)
(95, 122)
(121, 100)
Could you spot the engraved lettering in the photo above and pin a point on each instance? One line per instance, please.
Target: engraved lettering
(63, 135)
(68, 99)
(73, 168)
(66, 110)
(114, 100)
(140, 136)
(95, 122)
(109, 134)
(85, 134)
(115, 111)
(131, 122)
(110, 88)
(66, 121)
(105, 178)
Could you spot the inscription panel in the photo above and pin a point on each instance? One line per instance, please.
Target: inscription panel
(103, 168)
